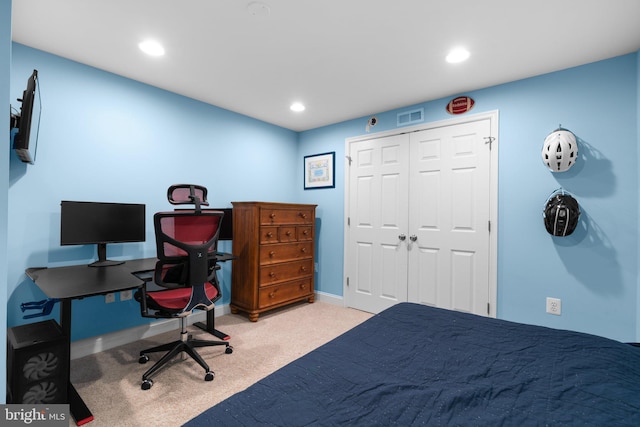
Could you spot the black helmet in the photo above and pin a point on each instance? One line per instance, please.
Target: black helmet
(561, 214)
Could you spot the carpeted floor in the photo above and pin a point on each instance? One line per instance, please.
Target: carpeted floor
(109, 382)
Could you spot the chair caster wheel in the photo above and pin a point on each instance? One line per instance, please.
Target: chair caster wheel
(209, 376)
(146, 384)
(228, 350)
(143, 359)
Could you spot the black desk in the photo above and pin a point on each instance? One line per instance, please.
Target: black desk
(81, 281)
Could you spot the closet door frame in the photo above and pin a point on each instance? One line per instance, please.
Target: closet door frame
(491, 139)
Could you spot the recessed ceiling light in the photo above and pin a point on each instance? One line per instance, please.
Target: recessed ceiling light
(258, 8)
(151, 47)
(297, 107)
(458, 54)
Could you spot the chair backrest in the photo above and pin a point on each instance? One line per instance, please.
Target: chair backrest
(186, 241)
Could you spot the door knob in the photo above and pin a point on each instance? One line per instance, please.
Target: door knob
(413, 238)
(402, 237)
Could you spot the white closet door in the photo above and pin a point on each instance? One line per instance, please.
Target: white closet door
(378, 182)
(419, 206)
(449, 217)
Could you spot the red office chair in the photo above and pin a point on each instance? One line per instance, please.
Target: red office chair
(186, 243)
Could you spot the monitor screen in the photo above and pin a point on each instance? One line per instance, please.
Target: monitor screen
(84, 223)
(226, 230)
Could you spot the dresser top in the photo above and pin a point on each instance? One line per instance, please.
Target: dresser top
(277, 205)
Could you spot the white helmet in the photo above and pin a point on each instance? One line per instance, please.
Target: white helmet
(560, 150)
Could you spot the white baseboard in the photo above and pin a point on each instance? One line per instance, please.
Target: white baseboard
(330, 298)
(100, 343)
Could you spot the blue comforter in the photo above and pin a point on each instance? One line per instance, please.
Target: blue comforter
(418, 365)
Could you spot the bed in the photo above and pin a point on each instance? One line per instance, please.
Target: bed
(418, 365)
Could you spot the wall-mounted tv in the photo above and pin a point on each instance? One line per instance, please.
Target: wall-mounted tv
(25, 142)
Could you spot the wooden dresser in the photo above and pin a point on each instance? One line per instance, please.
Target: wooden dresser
(274, 246)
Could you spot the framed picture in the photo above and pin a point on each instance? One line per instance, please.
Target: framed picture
(318, 171)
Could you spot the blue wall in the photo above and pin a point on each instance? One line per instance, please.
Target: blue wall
(594, 271)
(107, 138)
(104, 137)
(638, 160)
(5, 70)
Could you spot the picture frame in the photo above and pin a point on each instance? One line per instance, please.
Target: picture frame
(319, 171)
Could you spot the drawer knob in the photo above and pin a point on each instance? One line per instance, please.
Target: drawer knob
(303, 268)
(288, 233)
(303, 250)
(303, 215)
(269, 234)
(272, 274)
(305, 232)
(303, 286)
(272, 215)
(272, 294)
(271, 254)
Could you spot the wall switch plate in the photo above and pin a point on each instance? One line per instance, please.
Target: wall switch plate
(126, 295)
(109, 298)
(554, 306)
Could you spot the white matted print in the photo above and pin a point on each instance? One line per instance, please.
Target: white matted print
(319, 171)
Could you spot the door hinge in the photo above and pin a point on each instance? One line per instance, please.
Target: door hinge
(347, 282)
(348, 221)
(489, 226)
(489, 140)
(488, 308)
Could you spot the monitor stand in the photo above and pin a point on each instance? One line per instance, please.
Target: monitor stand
(102, 258)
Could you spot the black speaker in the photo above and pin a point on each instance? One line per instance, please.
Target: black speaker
(37, 363)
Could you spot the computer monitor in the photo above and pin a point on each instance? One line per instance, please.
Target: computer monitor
(99, 223)
(226, 231)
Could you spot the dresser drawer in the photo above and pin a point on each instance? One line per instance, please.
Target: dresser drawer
(275, 273)
(283, 252)
(287, 233)
(304, 232)
(286, 216)
(268, 235)
(276, 294)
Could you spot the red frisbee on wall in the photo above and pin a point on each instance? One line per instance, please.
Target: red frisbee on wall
(460, 105)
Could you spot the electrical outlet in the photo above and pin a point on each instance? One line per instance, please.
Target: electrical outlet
(126, 295)
(109, 298)
(554, 306)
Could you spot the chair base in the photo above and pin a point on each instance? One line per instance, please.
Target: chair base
(173, 349)
(209, 326)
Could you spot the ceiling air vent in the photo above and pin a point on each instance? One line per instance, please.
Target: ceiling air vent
(410, 117)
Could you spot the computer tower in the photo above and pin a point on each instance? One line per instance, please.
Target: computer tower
(37, 363)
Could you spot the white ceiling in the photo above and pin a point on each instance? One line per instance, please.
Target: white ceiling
(342, 58)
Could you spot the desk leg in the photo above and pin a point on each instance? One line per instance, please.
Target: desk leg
(77, 407)
(210, 327)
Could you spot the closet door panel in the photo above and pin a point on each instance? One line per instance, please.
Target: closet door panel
(451, 217)
(378, 200)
